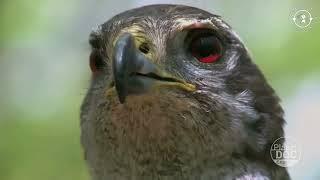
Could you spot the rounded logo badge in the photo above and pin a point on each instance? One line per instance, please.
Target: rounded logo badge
(302, 18)
(285, 152)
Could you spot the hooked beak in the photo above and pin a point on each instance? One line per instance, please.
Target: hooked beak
(134, 73)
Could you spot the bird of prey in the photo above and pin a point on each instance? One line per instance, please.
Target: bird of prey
(175, 95)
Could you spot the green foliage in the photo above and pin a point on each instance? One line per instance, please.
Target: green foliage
(18, 18)
(41, 149)
(299, 55)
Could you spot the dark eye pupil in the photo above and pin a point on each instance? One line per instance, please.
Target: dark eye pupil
(96, 61)
(206, 48)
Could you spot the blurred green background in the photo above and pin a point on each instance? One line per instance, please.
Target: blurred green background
(44, 75)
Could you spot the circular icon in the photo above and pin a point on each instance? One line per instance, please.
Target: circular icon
(285, 152)
(302, 18)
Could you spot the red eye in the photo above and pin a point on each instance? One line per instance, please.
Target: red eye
(96, 62)
(206, 48)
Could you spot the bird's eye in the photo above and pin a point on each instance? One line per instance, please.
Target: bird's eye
(96, 61)
(206, 48)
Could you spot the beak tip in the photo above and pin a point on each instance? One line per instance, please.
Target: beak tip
(121, 92)
(121, 99)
